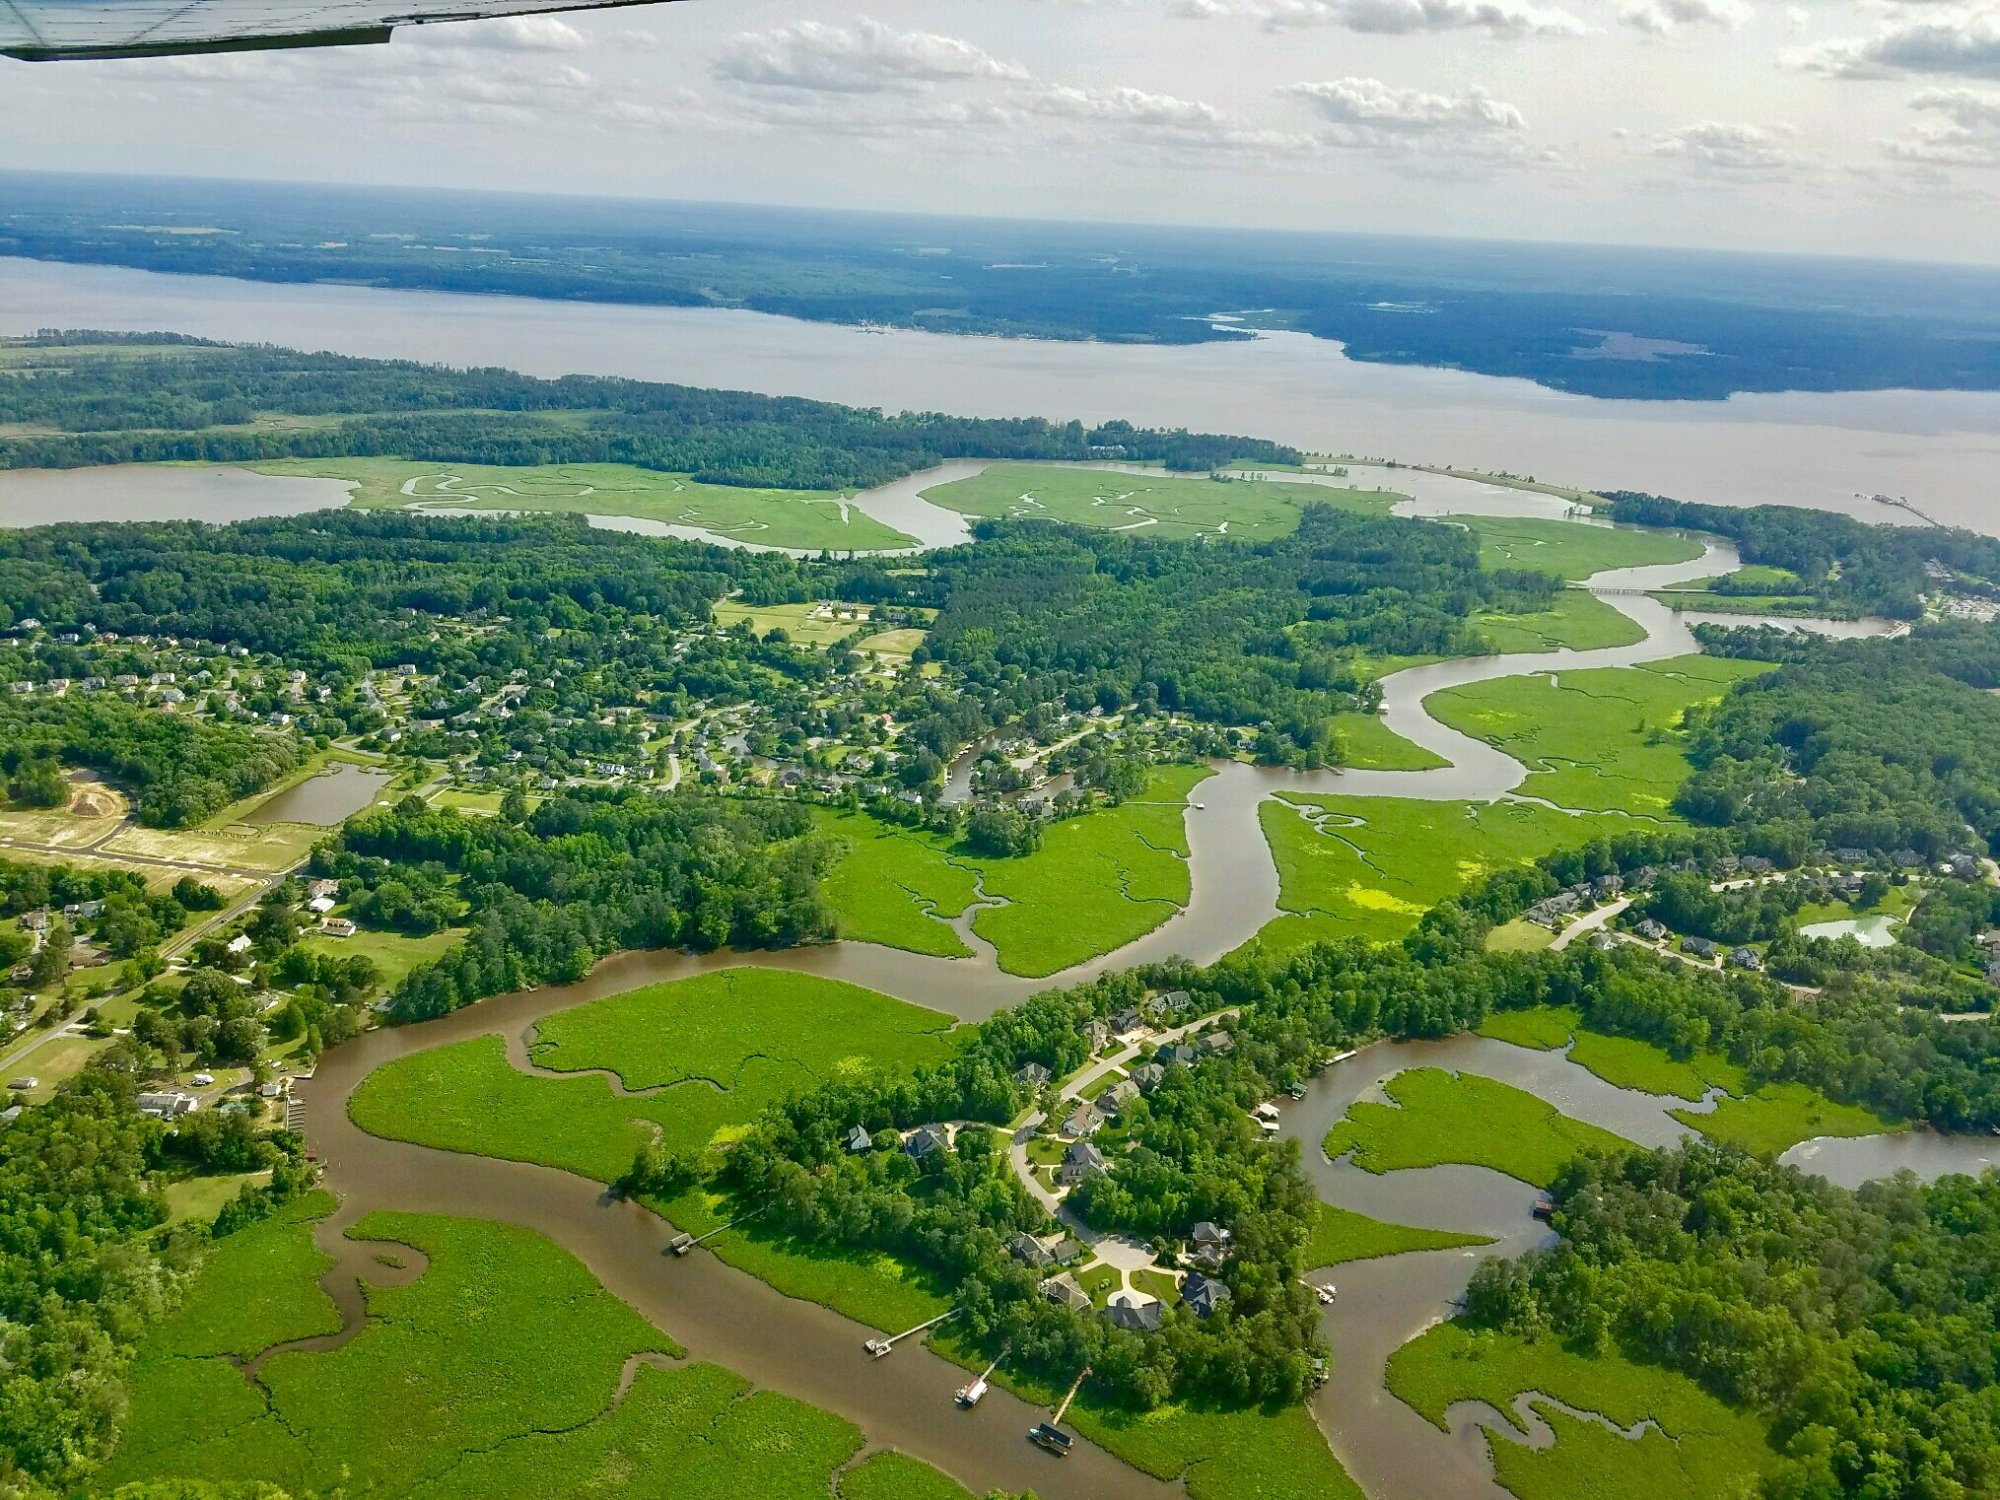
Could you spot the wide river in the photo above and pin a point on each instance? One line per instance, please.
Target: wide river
(1938, 448)
(808, 1352)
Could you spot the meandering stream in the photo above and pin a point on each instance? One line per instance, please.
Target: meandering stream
(808, 1352)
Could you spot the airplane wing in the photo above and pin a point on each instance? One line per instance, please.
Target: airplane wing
(53, 30)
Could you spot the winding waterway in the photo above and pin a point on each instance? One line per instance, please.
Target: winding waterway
(904, 1401)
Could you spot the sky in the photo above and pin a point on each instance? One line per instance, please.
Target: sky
(1866, 127)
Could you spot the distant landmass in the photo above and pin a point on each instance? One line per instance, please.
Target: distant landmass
(1596, 321)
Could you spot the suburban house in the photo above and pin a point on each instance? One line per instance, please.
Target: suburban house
(1032, 1076)
(1147, 1077)
(926, 1142)
(1209, 1243)
(1064, 1292)
(1216, 1044)
(1114, 1099)
(167, 1104)
(1202, 1295)
(1085, 1120)
(337, 927)
(1746, 958)
(859, 1141)
(1699, 947)
(1096, 1034)
(1125, 1310)
(1080, 1161)
(1651, 930)
(1126, 1020)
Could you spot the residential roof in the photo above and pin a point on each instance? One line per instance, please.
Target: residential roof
(1203, 1294)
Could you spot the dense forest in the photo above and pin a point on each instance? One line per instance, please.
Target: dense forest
(590, 873)
(1881, 745)
(193, 400)
(1268, 633)
(1848, 566)
(1860, 1325)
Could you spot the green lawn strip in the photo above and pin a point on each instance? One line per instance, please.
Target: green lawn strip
(1519, 936)
(1100, 1282)
(897, 1476)
(467, 1097)
(773, 518)
(864, 1285)
(1247, 1453)
(1156, 1284)
(892, 885)
(708, 1026)
(1633, 1064)
(1154, 505)
(1702, 1447)
(258, 1287)
(1460, 1117)
(393, 953)
(1376, 878)
(1367, 744)
(1575, 619)
(1777, 1116)
(1340, 1235)
(1570, 549)
(1543, 1027)
(1098, 882)
(1606, 739)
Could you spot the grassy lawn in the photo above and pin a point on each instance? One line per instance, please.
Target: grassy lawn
(201, 1198)
(1570, 549)
(1779, 1115)
(1581, 621)
(1340, 1235)
(1607, 739)
(1399, 857)
(1224, 1454)
(772, 518)
(1368, 744)
(1100, 1281)
(1519, 936)
(1460, 1117)
(1098, 882)
(1633, 1064)
(711, 1027)
(1543, 1027)
(1156, 1284)
(257, 1288)
(394, 954)
(896, 1476)
(892, 642)
(451, 1391)
(805, 624)
(723, 1045)
(1156, 505)
(1702, 1448)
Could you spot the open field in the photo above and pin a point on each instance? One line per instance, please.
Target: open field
(1519, 936)
(200, 1199)
(1098, 882)
(394, 954)
(1155, 504)
(1780, 1115)
(479, 1409)
(771, 518)
(1580, 621)
(269, 849)
(889, 1475)
(258, 1287)
(1624, 1061)
(1368, 744)
(1570, 549)
(712, 1051)
(1341, 1235)
(1441, 1117)
(805, 624)
(709, 1027)
(1697, 1445)
(1383, 861)
(1607, 739)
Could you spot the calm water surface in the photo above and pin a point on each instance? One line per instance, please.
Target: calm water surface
(1938, 448)
(331, 797)
(158, 492)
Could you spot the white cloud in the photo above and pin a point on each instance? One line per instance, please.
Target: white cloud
(1405, 17)
(1120, 106)
(1721, 147)
(1375, 105)
(1797, 17)
(865, 58)
(1954, 42)
(1664, 17)
(1958, 128)
(507, 34)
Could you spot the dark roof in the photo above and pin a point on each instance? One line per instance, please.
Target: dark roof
(1141, 1317)
(1203, 1294)
(926, 1140)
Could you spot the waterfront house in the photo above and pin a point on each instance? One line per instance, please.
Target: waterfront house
(1203, 1295)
